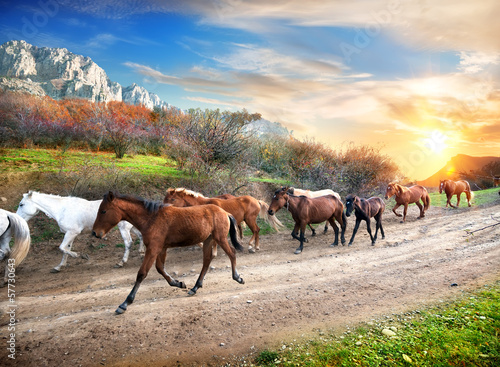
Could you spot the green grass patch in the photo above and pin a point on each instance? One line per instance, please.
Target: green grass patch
(51, 160)
(464, 332)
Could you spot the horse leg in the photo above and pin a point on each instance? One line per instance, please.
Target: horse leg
(295, 234)
(378, 218)
(356, 226)
(4, 253)
(394, 210)
(404, 212)
(252, 224)
(124, 228)
(326, 227)
(65, 247)
(448, 201)
(142, 249)
(421, 207)
(369, 229)
(301, 239)
(147, 263)
(458, 199)
(160, 267)
(313, 230)
(336, 230)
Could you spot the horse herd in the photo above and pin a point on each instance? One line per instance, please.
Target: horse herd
(187, 218)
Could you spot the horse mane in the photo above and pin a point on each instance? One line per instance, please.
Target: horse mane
(151, 206)
(187, 192)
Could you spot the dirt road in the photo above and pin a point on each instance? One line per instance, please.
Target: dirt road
(68, 319)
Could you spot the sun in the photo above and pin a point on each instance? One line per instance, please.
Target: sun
(436, 141)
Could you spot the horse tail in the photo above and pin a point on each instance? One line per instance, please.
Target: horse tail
(22, 238)
(468, 191)
(232, 233)
(426, 199)
(271, 219)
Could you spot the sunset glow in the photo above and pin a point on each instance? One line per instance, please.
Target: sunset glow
(420, 80)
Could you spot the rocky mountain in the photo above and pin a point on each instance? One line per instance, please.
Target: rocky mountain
(58, 73)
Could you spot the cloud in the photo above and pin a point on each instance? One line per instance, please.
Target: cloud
(474, 62)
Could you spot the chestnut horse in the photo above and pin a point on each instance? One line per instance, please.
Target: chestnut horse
(310, 210)
(165, 226)
(242, 208)
(408, 195)
(455, 188)
(364, 209)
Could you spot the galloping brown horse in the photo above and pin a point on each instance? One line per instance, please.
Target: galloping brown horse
(364, 209)
(408, 195)
(310, 210)
(455, 188)
(242, 208)
(165, 226)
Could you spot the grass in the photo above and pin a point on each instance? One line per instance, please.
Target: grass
(464, 332)
(52, 160)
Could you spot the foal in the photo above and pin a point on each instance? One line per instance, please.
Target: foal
(364, 209)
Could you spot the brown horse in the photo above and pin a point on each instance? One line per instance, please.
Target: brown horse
(165, 226)
(242, 208)
(364, 209)
(310, 210)
(408, 195)
(455, 188)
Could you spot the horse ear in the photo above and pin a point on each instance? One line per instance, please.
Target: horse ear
(400, 189)
(111, 196)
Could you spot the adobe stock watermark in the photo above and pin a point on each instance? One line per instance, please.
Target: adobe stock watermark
(364, 36)
(11, 308)
(31, 25)
(416, 158)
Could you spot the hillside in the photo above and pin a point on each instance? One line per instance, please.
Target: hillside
(461, 166)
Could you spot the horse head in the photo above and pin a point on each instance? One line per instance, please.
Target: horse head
(290, 189)
(27, 208)
(108, 215)
(350, 200)
(442, 185)
(393, 189)
(175, 197)
(280, 198)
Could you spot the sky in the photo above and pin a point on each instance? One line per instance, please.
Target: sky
(420, 80)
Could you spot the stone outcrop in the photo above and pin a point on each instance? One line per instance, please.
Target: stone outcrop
(58, 73)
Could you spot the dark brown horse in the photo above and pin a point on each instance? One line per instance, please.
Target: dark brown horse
(165, 226)
(408, 195)
(364, 209)
(310, 210)
(242, 208)
(455, 188)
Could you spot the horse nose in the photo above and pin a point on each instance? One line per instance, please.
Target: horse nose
(95, 234)
(347, 214)
(270, 212)
(386, 197)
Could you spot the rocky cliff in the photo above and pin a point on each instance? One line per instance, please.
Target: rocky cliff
(59, 73)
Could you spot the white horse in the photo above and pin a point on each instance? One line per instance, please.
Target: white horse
(12, 224)
(73, 215)
(313, 194)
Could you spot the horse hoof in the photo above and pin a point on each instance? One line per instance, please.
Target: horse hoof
(306, 240)
(54, 270)
(336, 244)
(191, 293)
(349, 244)
(120, 310)
(241, 281)
(119, 265)
(251, 250)
(182, 285)
(85, 256)
(297, 252)
(402, 221)
(314, 234)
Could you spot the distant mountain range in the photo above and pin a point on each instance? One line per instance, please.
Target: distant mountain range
(58, 73)
(465, 167)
